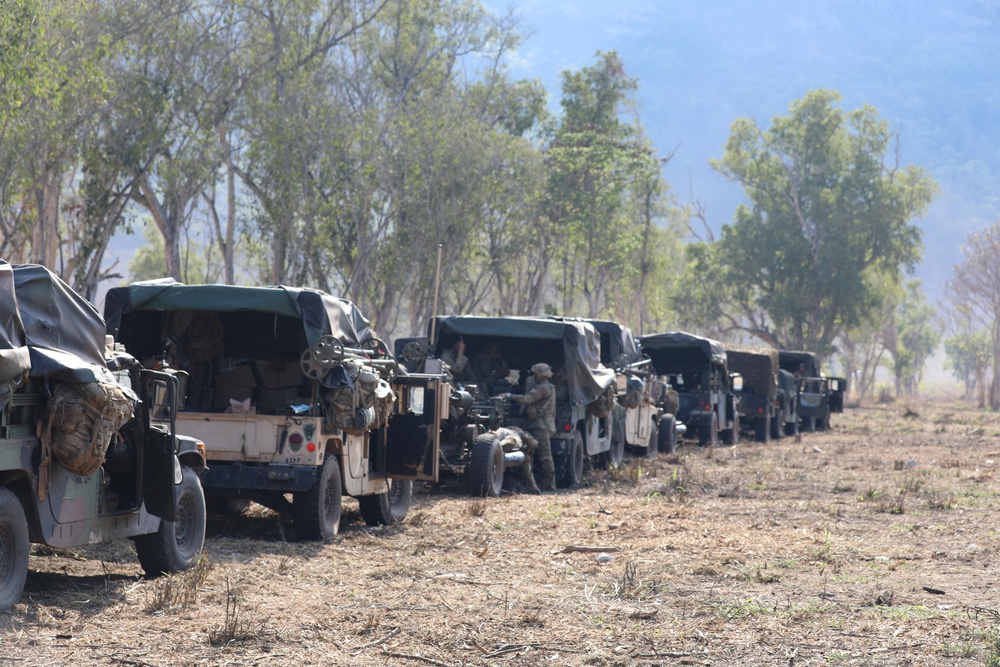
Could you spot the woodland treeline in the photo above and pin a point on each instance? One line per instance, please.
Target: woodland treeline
(339, 144)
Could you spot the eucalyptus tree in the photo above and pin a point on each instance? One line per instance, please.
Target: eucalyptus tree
(830, 208)
(601, 177)
(975, 291)
(52, 81)
(914, 335)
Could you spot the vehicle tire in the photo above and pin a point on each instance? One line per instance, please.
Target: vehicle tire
(810, 424)
(385, 509)
(823, 423)
(574, 462)
(731, 436)
(616, 454)
(176, 546)
(487, 467)
(667, 434)
(792, 427)
(14, 548)
(778, 425)
(762, 429)
(654, 441)
(316, 512)
(709, 435)
(227, 505)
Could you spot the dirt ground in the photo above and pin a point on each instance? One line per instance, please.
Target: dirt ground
(870, 544)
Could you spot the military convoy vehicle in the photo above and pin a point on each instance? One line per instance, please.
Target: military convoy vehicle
(819, 396)
(292, 394)
(646, 422)
(696, 368)
(483, 438)
(769, 398)
(82, 460)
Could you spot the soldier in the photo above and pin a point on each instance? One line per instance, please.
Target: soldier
(458, 363)
(541, 407)
(490, 368)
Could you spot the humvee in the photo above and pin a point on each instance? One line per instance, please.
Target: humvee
(697, 369)
(768, 400)
(292, 394)
(818, 395)
(62, 385)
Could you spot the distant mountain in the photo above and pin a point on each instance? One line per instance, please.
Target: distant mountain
(929, 67)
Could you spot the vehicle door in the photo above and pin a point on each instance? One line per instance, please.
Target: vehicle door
(156, 445)
(414, 431)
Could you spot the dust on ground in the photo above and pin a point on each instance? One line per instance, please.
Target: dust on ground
(870, 544)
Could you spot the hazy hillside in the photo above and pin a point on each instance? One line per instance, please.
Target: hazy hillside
(929, 67)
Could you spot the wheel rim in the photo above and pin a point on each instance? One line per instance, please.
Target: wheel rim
(497, 472)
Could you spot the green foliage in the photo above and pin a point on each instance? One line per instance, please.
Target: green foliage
(827, 215)
(916, 337)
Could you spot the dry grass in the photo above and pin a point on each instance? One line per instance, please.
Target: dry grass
(871, 544)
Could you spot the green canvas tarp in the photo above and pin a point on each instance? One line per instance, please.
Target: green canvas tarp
(679, 347)
(618, 345)
(14, 356)
(790, 360)
(321, 314)
(64, 332)
(572, 346)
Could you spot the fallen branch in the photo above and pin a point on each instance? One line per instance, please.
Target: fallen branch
(392, 633)
(588, 550)
(413, 656)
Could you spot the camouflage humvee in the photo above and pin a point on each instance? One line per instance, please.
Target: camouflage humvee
(81, 459)
(292, 394)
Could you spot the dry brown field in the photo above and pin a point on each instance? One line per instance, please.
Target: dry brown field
(873, 543)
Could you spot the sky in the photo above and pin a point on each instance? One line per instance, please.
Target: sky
(929, 67)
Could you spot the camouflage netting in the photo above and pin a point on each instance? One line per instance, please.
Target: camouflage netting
(601, 406)
(81, 419)
(363, 405)
(633, 393)
(758, 365)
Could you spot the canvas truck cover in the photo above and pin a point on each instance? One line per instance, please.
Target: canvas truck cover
(661, 347)
(63, 332)
(14, 356)
(757, 365)
(577, 343)
(790, 360)
(321, 314)
(617, 342)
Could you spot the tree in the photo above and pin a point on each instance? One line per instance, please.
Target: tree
(830, 209)
(603, 186)
(914, 337)
(969, 356)
(975, 289)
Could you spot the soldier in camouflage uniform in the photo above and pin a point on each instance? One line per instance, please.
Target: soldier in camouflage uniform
(541, 407)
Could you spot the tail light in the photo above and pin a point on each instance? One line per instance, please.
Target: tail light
(295, 442)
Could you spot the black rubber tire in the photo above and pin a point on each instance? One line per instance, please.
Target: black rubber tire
(778, 425)
(810, 424)
(385, 509)
(709, 435)
(654, 442)
(792, 427)
(616, 454)
(762, 429)
(731, 436)
(227, 505)
(316, 512)
(573, 473)
(666, 440)
(14, 548)
(486, 467)
(176, 546)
